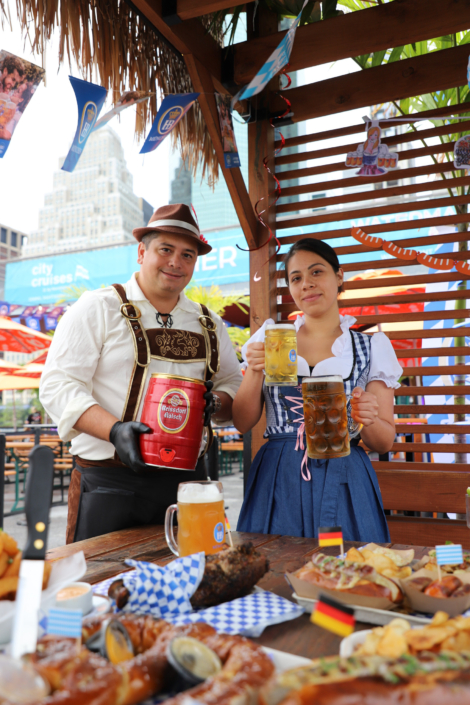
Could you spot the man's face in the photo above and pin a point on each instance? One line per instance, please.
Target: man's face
(10, 80)
(168, 264)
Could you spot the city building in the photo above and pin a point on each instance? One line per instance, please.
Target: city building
(92, 206)
(11, 242)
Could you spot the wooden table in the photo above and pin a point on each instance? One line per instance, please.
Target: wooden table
(105, 557)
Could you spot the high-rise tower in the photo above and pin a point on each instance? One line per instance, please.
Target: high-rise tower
(92, 206)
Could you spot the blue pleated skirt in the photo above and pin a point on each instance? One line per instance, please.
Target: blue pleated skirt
(342, 492)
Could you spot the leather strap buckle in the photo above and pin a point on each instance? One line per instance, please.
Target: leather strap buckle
(124, 312)
(207, 323)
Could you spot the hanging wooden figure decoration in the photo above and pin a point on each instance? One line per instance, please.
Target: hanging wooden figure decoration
(373, 157)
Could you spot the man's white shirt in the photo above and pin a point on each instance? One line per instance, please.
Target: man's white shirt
(91, 360)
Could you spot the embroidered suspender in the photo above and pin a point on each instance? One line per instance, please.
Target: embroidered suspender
(143, 348)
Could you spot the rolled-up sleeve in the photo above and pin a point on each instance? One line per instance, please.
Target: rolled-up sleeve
(66, 389)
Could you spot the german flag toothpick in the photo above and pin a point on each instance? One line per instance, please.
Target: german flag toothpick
(330, 536)
(333, 616)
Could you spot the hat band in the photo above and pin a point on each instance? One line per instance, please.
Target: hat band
(175, 224)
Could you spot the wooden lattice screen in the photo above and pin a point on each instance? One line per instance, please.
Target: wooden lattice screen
(416, 486)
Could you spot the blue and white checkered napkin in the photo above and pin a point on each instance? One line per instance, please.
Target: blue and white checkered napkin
(163, 591)
(248, 616)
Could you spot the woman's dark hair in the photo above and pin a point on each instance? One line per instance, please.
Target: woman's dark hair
(318, 247)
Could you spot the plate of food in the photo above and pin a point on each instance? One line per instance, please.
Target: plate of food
(57, 575)
(131, 658)
(420, 679)
(368, 579)
(399, 638)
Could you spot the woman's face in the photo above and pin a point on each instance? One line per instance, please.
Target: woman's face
(313, 283)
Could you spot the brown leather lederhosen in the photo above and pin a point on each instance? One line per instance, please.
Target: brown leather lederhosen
(165, 344)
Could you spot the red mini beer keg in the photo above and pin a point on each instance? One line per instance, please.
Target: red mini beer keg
(174, 409)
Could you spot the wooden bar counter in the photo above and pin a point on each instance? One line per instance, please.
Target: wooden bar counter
(105, 556)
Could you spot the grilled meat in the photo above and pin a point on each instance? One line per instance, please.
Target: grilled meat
(228, 574)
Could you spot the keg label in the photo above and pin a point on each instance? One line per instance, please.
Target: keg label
(173, 411)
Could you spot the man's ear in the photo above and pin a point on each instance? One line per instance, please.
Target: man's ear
(140, 252)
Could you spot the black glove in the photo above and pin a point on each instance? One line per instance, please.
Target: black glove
(124, 437)
(209, 397)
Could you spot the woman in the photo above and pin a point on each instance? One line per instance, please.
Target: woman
(281, 496)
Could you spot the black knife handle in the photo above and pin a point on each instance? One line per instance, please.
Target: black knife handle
(38, 501)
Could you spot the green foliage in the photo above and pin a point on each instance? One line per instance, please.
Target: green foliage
(238, 336)
(214, 299)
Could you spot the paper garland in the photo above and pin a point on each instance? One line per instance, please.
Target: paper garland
(402, 253)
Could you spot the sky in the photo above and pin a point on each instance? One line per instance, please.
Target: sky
(45, 133)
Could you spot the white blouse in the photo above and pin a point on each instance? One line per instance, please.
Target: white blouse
(384, 365)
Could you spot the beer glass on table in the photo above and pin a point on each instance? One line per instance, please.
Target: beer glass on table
(326, 417)
(280, 346)
(201, 518)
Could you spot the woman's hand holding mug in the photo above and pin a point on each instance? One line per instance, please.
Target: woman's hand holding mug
(364, 407)
(255, 357)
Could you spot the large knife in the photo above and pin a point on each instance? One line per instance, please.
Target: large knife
(37, 505)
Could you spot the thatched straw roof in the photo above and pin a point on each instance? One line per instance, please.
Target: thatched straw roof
(113, 44)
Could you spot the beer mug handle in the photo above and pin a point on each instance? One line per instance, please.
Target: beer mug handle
(169, 535)
(354, 427)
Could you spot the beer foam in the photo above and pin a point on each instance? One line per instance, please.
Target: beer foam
(199, 494)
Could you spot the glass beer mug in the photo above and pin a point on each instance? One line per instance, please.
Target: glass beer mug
(201, 518)
(280, 346)
(326, 417)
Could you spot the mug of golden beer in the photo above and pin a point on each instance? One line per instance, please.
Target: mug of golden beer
(326, 417)
(280, 346)
(201, 518)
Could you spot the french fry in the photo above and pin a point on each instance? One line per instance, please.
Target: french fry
(47, 574)
(9, 545)
(8, 585)
(13, 569)
(4, 559)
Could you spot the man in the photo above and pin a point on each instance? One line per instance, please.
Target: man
(11, 73)
(34, 416)
(94, 377)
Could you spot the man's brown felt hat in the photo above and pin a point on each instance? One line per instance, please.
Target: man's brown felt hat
(176, 219)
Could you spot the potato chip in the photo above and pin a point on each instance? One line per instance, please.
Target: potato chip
(425, 639)
(439, 619)
(399, 625)
(369, 647)
(393, 644)
(4, 561)
(457, 642)
(354, 556)
(14, 567)
(9, 545)
(8, 585)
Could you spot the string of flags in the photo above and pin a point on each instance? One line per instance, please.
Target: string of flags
(403, 253)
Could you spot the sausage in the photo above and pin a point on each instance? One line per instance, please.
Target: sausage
(444, 587)
(461, 591)
(419, 583)
(371, 691)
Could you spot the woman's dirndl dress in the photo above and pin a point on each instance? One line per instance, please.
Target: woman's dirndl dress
(292, 495)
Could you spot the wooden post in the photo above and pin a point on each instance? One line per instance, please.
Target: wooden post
(263, 283)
